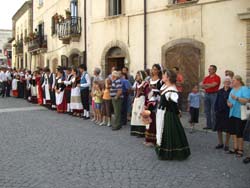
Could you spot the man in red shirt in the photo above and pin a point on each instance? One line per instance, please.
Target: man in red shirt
(179, 86)
(211, 84)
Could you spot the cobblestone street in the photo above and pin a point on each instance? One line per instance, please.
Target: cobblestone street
(44, 149)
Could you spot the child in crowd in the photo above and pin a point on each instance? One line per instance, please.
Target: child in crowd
(107, 103)
(194, 106)
(97, 94)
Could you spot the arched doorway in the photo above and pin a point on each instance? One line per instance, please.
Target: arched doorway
(114, 54)
(74, 60)
(189, 58)
(114, 58)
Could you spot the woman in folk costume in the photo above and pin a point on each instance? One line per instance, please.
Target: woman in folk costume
(39, 88)
(60, 95)
(68, 84)
(14, 85)
(20, 85)
(75, 99)
(33, 88)
(48, 85)
(154, 98)
(140, 101)
(171, 139)
(28, 85)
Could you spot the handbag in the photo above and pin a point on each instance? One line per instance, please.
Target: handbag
(245, 111)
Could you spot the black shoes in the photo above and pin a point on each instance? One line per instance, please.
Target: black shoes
(219, 146)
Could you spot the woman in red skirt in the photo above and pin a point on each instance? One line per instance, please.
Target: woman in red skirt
(61, 104)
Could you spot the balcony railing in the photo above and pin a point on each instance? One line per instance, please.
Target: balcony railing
(19, 47)
(69, 29)
(38, 43)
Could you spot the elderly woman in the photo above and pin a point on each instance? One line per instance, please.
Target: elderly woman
(222, 114)
(238, 96)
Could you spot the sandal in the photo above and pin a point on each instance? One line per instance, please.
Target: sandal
(232, 151)
(246, 160)
(239, 153)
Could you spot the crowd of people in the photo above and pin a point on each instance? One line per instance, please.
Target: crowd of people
(151, 101)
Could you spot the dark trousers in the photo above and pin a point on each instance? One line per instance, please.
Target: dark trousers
(85, 98)
(4, 84)
(8, 88)
(124, 111)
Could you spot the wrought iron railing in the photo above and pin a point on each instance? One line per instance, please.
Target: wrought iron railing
(69, 28)
(38, 43)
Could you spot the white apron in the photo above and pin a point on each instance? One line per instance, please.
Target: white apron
(159, 125)
(138, 107)
(59, 97)
(47, 93)
(75, 100)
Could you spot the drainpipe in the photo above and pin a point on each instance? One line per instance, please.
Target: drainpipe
(145, 34)
(85, 31)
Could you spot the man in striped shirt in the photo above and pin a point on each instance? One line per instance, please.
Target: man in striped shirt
(116, 95)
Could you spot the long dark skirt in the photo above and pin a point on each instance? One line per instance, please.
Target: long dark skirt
(246, 133)
(138, 131)
(174, 144)
(20, 88)
(151, 132)
(222, 122)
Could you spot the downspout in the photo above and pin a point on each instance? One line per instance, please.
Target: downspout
(145, 34)
(85, 31)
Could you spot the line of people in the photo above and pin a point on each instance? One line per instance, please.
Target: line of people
(150, 103)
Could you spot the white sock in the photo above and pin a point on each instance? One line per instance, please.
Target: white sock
(84, 113)
(87, 113)
(68, 109)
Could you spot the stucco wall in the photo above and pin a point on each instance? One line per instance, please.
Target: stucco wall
(55, 46)
(214, 23)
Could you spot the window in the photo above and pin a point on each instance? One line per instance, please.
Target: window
(54, 22)
(115, 7)
(40, 2)
(73, 8)
(1, 51)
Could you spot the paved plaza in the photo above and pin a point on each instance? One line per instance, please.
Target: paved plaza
(43, 149)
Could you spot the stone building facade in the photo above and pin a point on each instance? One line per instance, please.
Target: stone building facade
(188, 34)
(5, 35)
(60, 28)
(22, 27)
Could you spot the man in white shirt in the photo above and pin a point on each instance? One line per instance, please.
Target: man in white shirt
(3, 80)
(9, 81)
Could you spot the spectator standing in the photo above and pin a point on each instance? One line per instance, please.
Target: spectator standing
(222, 114)
(107, 103)
(126, 88)
(179, 86)
(239, 95)
(116, 94)
(211, 84)
(194, 106)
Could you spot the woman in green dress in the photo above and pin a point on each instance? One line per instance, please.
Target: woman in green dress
(171, 139)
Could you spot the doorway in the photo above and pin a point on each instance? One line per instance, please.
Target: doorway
(188, 59)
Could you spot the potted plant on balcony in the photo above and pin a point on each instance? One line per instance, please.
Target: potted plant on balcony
(56, 18)
(68, 14)
(26, 39)
(60, 18)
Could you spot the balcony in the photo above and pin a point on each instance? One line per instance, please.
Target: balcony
(19, 47)
(70, 29)
(38, 44)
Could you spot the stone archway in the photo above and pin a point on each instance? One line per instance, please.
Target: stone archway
(115, 53)
(75, 58)
(189, 56)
